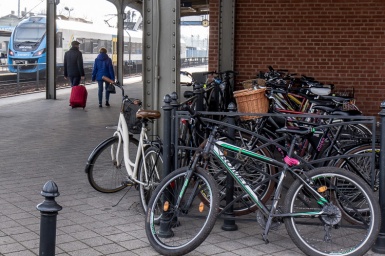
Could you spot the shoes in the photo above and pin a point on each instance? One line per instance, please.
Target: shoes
(107, 104)
(100, 106)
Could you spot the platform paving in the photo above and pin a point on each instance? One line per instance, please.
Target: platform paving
(43, 140)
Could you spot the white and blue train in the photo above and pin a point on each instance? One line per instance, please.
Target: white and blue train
(27, 44)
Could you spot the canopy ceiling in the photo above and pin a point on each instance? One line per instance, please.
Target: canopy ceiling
(188, 7)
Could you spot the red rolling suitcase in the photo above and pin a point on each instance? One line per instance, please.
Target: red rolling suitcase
(78, 98)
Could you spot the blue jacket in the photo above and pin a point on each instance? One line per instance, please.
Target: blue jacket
(103, 67)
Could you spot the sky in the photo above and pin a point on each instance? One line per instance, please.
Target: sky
(101, 9)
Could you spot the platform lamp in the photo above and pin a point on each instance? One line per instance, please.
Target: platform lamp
(69, 11)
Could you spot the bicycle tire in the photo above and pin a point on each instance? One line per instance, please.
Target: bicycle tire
(154, 166)
(333, 234)
(180, 229)
(362, 164)
(104, 174)
(351, 134)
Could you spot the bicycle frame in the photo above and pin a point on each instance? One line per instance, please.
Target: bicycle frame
(218, 152)
(124, 137)
(217, 148)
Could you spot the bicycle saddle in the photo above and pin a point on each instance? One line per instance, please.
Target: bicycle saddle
(147, 114)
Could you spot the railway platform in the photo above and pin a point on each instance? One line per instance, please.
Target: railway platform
(44, 140)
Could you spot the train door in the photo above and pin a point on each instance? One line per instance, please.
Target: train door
(59, 48)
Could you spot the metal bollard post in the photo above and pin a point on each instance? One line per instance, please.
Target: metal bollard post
(229, 223)
(49, 210)
(174, 127)
(165, 229)
(37, 77)
(167, 108)
(379, 246)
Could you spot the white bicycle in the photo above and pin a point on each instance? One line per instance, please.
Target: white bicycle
(123, 161)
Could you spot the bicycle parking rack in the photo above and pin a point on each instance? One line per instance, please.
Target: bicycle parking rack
(171, 123)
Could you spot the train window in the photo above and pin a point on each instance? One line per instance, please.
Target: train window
(33, 32)
(102, 43)
(59, 40)
(136, 48)
(81, 46)
(87, 46)
(126, 47)
(109, 46)
(106, 44)
(95, 46)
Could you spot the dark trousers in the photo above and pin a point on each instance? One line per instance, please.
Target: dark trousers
(74, 80)
(100, 91)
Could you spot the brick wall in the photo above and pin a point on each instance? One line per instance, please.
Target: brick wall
(335, 41)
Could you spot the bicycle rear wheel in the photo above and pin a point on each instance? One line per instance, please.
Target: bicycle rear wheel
(333, 232)
(176, 229)
(150, 175)
(362, 165)
(107, 175)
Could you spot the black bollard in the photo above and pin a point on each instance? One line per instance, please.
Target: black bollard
(379, 246)
(167, 108)
(49, 210)
(229, 222)
(174, 128)
(165, 228)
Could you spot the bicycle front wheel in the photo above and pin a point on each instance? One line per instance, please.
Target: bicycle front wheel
(106, 174)
(333, 232)
(176, 227)
(150, 171)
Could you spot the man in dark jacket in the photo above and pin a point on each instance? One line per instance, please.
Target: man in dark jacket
(73, 64)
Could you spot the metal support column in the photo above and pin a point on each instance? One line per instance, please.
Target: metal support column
(379, 246)
(51, 49)
(161, 52)
(226, 35)
(120, 43)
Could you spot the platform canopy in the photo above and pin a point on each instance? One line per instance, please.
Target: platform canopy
(187, 7)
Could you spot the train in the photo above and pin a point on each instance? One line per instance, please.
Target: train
(27, 44)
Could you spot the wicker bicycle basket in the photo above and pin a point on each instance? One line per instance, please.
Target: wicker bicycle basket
(251, 101)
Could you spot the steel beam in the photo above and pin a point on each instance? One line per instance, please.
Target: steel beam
(226, 35)
(120, 43)
(161, 52)
(51, 49)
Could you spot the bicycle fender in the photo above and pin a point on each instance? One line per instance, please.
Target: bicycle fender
(95, 150)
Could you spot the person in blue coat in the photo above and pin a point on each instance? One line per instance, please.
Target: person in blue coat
(103, 67)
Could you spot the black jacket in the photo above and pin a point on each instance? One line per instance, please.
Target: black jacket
(73, 63)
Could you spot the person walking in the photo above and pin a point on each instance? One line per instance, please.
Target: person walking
(73, 64)
(103, 67)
